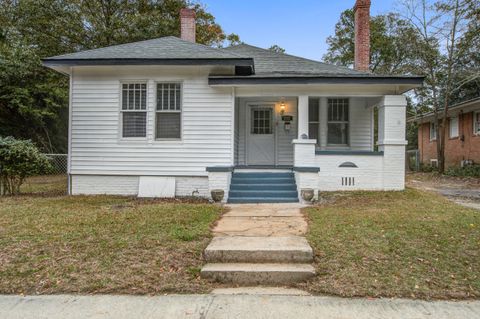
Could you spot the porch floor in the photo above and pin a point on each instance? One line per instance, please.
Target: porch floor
(263, 167)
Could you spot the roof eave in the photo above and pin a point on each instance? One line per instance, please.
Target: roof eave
(132, 61)
(465, 106)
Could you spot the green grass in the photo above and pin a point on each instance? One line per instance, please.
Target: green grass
(395, 244)
(101, 244)
(46, 184)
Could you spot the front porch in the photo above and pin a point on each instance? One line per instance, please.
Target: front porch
(328, 143)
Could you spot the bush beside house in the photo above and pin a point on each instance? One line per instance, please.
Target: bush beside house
(19, 159)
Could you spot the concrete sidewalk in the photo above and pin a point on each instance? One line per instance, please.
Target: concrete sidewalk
(229, 306)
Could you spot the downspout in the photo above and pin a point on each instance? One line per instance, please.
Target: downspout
(421, 141)
(69, 149)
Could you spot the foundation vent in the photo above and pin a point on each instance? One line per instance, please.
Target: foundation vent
(348, 181)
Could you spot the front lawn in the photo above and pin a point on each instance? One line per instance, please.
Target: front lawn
(409, 244)
(101, 244)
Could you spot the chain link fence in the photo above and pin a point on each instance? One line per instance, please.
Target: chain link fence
(413, 160)
(59, 163)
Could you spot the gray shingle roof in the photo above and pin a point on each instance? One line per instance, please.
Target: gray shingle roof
(272, 64)
(160, 48)
(255, 65)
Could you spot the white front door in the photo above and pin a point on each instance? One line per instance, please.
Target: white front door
(260, 135)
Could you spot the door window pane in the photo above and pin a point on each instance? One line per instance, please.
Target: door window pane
(261, 121)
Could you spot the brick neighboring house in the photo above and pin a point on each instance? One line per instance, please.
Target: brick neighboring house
(463, 135)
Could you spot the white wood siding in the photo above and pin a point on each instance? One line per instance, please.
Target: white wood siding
(361, 125)
(97, 146)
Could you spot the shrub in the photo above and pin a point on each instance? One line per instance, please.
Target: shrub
(427, 168)
(466, 171)
(18, 160)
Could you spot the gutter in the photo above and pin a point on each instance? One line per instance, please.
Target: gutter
(466, 106)
(247, 80)
(137, 61)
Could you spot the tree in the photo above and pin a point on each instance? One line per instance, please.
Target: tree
(441, 26)
(391, 43)
(277, 49)
(233, 39)
(34, 99)
(468, 64)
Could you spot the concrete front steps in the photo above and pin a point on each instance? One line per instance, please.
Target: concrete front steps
(258, 260)
(258, 274)
(263, 187)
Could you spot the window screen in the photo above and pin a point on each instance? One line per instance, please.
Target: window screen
(476, 123)
(338, 122)
(433, 131)
(453, 126)
(134, 110)
(168, 112)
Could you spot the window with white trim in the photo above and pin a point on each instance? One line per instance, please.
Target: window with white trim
(433, 131)
(453, 127)
(134, 110)
(168, 114)
(338, 122)
(314, 119)
(476, 123)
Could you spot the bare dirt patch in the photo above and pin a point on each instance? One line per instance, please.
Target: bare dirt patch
(464, 191)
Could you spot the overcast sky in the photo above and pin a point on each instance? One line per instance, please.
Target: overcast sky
(299, 26)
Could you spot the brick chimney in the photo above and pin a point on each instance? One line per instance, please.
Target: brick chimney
(362, 35)
(187, 24)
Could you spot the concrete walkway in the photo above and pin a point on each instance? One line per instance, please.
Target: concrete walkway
(228, 306)
(259, 244)
(262, 220)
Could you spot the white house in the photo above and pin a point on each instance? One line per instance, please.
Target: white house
(170, 117)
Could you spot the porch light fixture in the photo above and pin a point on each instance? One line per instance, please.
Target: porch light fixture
(282, 107)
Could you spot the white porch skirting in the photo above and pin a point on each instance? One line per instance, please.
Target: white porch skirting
(129, 185)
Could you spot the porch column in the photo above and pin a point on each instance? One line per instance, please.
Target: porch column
(305, 167)
(391, 140)
(302, 115)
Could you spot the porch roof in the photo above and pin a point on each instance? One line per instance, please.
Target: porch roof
(280, 68)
